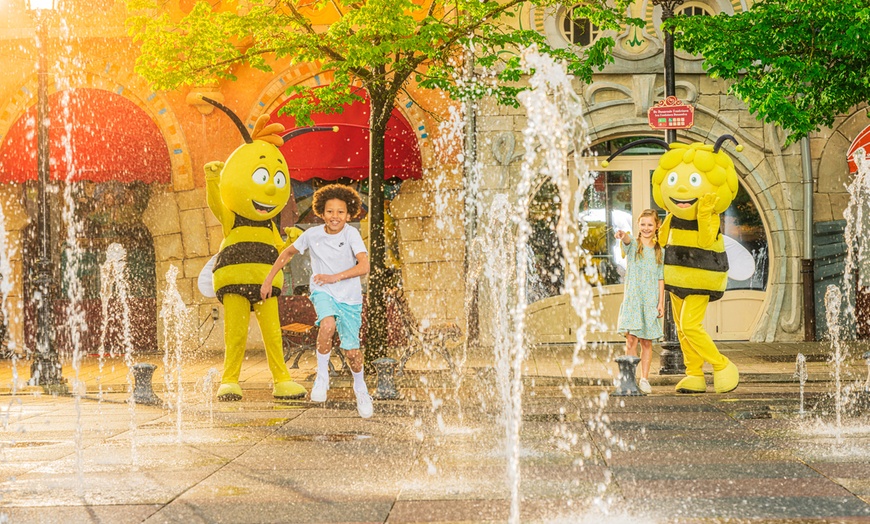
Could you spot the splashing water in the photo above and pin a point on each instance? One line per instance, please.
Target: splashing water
(176, 328)
(206, 387)
(73, 254)
(840, 307)
(499, 254)
(114, 285)
(800, 373)
(833, 301)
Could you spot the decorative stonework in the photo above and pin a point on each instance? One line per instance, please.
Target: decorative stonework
(109, 77)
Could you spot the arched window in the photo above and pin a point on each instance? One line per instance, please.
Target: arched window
(694, 10)
(578, 30)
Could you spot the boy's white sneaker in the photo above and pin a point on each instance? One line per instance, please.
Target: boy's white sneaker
(318, 391)
(364, 403)
(644, 386)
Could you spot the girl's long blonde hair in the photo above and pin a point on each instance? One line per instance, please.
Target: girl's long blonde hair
(655, 216)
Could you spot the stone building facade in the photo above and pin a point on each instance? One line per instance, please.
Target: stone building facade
(91, 51)
(616, 109)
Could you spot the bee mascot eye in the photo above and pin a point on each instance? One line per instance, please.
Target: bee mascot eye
(280, 180)
(260, 176)
(695, 266)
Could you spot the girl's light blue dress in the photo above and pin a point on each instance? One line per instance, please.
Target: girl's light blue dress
(638, 314)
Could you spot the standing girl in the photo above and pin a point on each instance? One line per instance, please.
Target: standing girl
(643, 304)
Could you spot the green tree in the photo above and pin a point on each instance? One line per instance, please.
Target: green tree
(796, 63)
(384, 45)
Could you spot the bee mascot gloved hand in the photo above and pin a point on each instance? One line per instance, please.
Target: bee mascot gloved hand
(245, 193)
(695, 183)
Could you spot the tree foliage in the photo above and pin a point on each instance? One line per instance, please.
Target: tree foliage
(382, 45)
(796, 63)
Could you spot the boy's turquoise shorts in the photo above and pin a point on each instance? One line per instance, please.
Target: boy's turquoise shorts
(348, 317)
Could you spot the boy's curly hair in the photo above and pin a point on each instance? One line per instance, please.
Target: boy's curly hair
(337, 191)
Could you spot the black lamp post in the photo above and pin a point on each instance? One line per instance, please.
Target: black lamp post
(46, 368)
(671, 358)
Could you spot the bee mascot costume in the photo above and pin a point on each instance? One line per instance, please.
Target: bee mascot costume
(245, 193)
(695, 183)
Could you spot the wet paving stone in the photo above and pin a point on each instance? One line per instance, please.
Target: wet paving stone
(758, 507)
(658, 459)
(713, 470)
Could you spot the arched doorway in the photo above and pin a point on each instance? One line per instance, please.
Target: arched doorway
(613, 200)
(105, 154)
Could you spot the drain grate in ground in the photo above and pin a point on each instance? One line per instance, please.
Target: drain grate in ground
(791, 358)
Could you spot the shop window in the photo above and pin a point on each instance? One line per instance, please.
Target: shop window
(546, 273)
(742, 222)
(578, 30)
(608, 147)
(105, 213)
(606, 207)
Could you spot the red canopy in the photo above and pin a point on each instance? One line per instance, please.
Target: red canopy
(862, 140)
(107, 137)
(345, 153)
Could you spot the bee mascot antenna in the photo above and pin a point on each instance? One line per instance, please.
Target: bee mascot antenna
(694, 183)
(245, 193)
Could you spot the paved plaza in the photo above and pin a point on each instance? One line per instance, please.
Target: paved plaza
(439, 454)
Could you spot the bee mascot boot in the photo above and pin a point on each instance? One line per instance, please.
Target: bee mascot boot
(695, 183)
(245, 193)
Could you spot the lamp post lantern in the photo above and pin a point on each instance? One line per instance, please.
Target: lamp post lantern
(45, 369)
(671, 358)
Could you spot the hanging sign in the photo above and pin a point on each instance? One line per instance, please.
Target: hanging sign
(671, 113)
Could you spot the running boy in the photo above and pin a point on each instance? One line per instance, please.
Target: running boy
(643, 304)
(338, 260)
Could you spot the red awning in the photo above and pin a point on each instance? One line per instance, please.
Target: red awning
(345, 153)
(862, 140)
(95, 135)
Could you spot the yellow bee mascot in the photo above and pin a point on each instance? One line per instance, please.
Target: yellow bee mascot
(695, 183)
(245, 193)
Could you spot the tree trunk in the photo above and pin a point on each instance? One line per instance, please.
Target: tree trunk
(376, 315)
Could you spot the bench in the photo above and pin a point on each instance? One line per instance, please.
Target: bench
(440, 338)
(298, 332)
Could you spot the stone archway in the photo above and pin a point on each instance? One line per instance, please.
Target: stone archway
(106, 160)
(762, 171)
(753, 302)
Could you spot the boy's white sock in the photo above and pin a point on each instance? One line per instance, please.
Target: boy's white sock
(323, 364)
(359, 382)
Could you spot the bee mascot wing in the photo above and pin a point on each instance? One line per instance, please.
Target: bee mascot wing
(741, 264)
(205, 282)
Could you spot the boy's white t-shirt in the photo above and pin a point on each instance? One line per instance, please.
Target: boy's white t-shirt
(331, 254)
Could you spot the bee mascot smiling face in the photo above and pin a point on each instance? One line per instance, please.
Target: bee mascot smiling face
(244, 194)
(695, 183)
